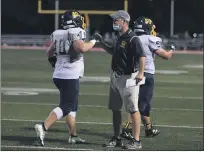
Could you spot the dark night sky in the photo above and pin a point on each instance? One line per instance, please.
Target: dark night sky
(21, 17)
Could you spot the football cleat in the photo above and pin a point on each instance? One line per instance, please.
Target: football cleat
(40, 133)
(114, 142)
(126, 133)
(75, 140)
(133, 144)
(151, 132)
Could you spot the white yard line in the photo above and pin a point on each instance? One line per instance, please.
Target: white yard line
(96, 106)
(44, 148)
(101, 123)
(46, 90)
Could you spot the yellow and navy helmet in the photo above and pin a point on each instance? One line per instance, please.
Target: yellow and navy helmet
(72, 19)
(144, 25)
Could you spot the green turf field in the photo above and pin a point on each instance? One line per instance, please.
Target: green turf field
(28, 95)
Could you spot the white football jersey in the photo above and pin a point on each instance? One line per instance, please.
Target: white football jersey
(70, 64)
(150, 44)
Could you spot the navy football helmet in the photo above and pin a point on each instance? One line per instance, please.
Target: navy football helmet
(71, 19)
(144, 25)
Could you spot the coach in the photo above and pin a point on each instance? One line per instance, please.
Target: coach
(128, 61)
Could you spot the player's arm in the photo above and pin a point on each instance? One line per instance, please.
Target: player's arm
(78, 43)
(108, 48)
(136, 45)
(50, 50)
(50, 53)
(165, 54)
(156, 47)
(81, 46)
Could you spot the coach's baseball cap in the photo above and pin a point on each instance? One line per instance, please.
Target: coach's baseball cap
(121, 14)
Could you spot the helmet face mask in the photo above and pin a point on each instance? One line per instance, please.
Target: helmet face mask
(72, 19)
(144, 25)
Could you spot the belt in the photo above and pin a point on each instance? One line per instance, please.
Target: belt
(123, 73)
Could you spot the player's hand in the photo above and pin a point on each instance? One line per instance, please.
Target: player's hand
(93, 41)
(52, 60)
(98, 37)
(139, 77)
(172, 48)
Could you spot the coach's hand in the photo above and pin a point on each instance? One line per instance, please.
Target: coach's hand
(98, 37)
(139, 77)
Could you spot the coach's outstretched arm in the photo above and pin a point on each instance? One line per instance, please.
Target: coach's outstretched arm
(105, 46)
(81, 46)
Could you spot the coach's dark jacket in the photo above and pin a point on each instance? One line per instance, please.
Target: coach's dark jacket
(125, 53)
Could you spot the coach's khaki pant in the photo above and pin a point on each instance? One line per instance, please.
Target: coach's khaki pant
(120, 95)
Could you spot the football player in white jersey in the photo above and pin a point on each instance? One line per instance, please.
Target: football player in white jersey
(66, 56)
(145, 30)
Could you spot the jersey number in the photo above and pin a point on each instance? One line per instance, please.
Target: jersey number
(61, 47)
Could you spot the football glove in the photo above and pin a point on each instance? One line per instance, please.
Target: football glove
(98, 37)
(52, 60)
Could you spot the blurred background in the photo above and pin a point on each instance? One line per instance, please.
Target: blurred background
(178, 22)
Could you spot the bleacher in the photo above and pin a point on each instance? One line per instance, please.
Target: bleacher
(44, 40)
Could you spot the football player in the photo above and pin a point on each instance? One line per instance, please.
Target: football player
(145, 30)
(65, 54)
